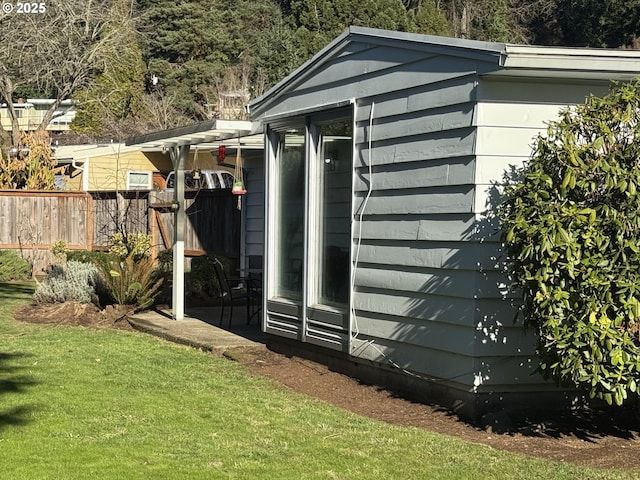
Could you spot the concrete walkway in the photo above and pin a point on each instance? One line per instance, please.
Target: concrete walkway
(200, 328)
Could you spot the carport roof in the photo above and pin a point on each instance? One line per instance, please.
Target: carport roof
(204, 134)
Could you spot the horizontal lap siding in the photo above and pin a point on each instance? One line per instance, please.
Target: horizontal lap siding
(253, 205)
(416, 237)
(509, 116)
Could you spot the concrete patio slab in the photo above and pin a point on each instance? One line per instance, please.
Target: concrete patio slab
(200, 329)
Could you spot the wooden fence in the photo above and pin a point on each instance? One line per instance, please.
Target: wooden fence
(32, 221)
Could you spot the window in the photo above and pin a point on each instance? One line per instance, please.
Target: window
(139, 180)
(289, 214)
(310, 186)
(330, 222)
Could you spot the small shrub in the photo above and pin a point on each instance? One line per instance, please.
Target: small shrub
(202, 282)
(165, 261)
(86, 256)
(60, 249)
(136, 244)
(73, 282)
(13, 267)
(132, 282)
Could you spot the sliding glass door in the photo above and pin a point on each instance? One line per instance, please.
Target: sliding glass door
(289, 224)
(309, 227)
(330, 213)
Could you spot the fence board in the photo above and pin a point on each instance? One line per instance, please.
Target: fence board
(35, 220)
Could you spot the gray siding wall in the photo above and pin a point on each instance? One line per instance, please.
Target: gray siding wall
(418, 256)
(254, 208)
(511, 113)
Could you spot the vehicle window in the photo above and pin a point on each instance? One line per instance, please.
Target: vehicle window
(190, 182)
(215, 181)
(227, 178)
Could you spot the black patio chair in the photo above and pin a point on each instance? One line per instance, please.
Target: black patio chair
(238, 289)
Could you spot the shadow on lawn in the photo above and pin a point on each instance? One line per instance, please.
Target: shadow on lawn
(16, 290)
(12, 381)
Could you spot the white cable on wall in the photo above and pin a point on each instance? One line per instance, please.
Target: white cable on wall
(360, 216)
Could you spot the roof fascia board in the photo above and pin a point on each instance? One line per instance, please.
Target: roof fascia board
(90, 151)
(261, 102)
(305, 111)
(589, 62)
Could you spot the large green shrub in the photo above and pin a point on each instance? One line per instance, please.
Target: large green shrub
(571, 232)
(13, 267)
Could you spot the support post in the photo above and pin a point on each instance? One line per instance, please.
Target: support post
(179, 155)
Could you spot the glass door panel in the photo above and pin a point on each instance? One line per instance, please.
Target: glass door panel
(331, 213)
(290, 215)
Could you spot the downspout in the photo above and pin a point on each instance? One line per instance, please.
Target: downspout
(85, 173)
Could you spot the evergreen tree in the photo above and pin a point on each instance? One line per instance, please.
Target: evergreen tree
(198, 49)
(430, 20)
(599, 24)
(317, 22)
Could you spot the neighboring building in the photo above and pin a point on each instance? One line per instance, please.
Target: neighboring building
(110, 167)
(31, 112)
(382, 252)
(120, 167)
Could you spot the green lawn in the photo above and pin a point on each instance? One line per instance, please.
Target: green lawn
(82, 404)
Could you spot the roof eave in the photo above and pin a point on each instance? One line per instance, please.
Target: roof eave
(587, 63)
(470, 48)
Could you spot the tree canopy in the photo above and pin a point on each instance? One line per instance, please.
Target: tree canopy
(134, 66)
(40, 56)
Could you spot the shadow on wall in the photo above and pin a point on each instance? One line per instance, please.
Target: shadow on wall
(460, 324)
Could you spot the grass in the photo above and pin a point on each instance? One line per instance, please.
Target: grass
(77, 403)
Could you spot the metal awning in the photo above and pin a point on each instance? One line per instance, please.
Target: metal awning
(178, 142)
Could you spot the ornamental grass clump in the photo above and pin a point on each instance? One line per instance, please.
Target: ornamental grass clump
(571, 227)
(133, 282)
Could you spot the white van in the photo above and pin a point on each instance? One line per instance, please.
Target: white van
(209, 180)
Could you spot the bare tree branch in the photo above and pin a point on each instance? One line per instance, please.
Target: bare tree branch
(58, 51)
